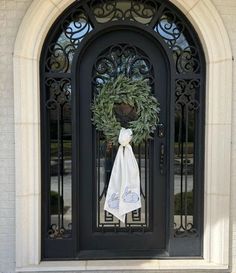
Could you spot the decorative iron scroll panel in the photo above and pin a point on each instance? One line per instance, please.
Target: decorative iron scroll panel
(68, 35)
(121, 59)
(58, 106)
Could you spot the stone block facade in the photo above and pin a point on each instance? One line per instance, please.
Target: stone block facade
(11, 14)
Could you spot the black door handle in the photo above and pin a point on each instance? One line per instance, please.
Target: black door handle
(162, 158)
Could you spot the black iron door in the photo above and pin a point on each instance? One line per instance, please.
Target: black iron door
(144, 234)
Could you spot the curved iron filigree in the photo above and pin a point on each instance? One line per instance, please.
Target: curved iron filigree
(175, 33)
(185, 230)
(122, 59)
(59, 93)
(141, 11)
(171, 29)
(77, 26)
(74, 30)
(59, 60)
(185, 94)
(56, 232)
(79, 23)
(187, 60)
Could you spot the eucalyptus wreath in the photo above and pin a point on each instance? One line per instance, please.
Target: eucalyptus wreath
(136, 93)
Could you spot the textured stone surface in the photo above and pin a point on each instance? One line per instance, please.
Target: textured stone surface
(227, 10)
(11, 13)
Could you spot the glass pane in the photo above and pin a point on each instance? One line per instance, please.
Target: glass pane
(186, 106)
(60, 203)
(177, 37)
(61, 52)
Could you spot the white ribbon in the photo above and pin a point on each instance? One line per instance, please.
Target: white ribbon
(123, 194)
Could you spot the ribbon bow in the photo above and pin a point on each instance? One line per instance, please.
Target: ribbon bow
(123, 194)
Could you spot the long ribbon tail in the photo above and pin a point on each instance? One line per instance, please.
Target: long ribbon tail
(123, 194)
(130, 187)
(112, 201)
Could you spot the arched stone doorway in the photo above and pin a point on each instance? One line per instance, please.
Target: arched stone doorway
(26, 59)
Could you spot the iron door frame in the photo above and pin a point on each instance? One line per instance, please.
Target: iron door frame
(182, 246)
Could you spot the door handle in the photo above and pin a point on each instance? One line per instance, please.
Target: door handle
(162, 158)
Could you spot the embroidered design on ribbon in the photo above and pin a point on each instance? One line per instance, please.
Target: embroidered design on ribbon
(130, 197)
(123, 194)
(113, 202)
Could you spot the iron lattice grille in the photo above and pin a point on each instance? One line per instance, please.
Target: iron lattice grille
(186, 108)
(58, 107)
(121, 59)
(165, 22)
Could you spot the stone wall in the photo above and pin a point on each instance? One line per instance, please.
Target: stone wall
(11, 14)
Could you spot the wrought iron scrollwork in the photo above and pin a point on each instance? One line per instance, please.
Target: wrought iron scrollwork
(185, 230)
(122, 59)
(59, 93)
(77, 26)
(176, 36)
(187, 60)
(59, 57)
(171, 29)
(73, 30)
(56, 232)
(185, 94)
(141, 11)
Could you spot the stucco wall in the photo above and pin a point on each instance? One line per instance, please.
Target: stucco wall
(11, 13)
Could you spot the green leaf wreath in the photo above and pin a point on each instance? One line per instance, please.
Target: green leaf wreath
(135, 93)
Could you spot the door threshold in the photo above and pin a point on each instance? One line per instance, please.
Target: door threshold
(133, 254)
